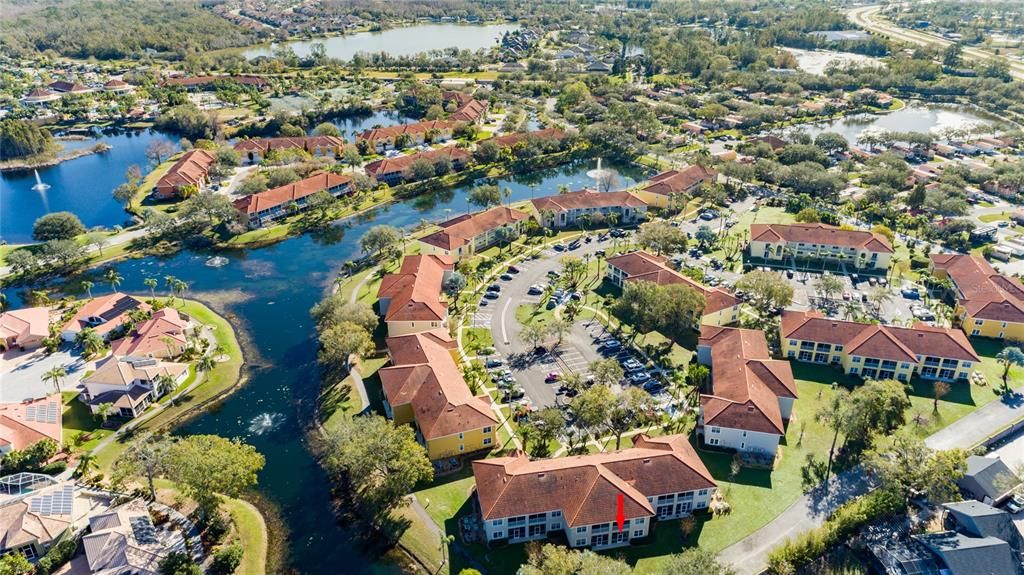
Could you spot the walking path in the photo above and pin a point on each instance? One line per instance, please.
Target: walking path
(121, 238)
(749, 555)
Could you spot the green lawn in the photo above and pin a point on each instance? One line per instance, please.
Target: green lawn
(340, 401)
(989, 218)
(476, 338)
(219, 380)
(252, 536)
(78, 419)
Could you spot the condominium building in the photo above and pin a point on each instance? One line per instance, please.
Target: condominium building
(589, 207)
(468, 234)
(793, 244)
(988, 304)
(875, 351)
(410, 300)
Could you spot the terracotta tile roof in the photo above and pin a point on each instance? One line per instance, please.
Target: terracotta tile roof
(509, 140)
(149, 335)
(460, 98)
(587, 199)
(425, 376)
(112, 309)
(878, 341)
(288, 193)
(415, 291)
(402, 163)
(24, 324)
(984, 293)
(24, 423)
(307, 143)
(190, 169)
(747, 383)
(471, 111)
(679, 181)
(820, 234)
(459, 231)
(388, 132)
(124, 371)
(115, 83)
(69, 87)
(586, 487)
(39, 93)
(775, 142)
(642, 266)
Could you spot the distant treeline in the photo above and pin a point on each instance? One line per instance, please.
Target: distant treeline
(108, 29)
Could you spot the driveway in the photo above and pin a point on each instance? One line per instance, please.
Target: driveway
(1012, 453)
(21, 374)
(981, 423)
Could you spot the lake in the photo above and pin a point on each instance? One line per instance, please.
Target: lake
(81, 186)
(915, 117)
(815, 61)
(266, 293)
(404, 41)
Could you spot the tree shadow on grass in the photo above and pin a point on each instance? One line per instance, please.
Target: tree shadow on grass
(719, 463)
(665, 538)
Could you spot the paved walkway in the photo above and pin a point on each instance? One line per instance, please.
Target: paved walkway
(749, 555)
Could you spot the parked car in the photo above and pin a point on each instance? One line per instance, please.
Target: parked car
(910, 293)
(553, 274)
(1015, 504)
(653, 386)
(492, 295)
(494, 287)
(602, 237)
(574, 244)
(513, 270)
(506, 277)
(483, 303)
(612, 345)
(494, 362)
(707, 216)
(535, 290)
(617, 233)
(514, 393)
(577, 296)
(639, 378)
(552, 377)
(632, 365)
(559, 248)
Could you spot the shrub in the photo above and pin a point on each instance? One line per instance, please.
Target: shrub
(844, 523)
(226, 559)
(215, 528)
(54, 468)
(56, 557)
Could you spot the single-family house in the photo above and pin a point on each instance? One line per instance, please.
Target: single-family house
(27, 422)
(393, 171)
(874, 351)
(117, 86)
(988, 304)
(429, 131)
(130, 384)
(192, 169)
(988, 479)
(124, 540)
(264, 207)
(574, 208)
(467, 234)
(255, 151)
(469, 110)
(39, 96)
(720, 307)
(24, 328)
(31, 524)
(787, 244)
(672, 189)
(424, 387)
(751, 395)
(104, 314)
(578, 498)
(65, 87)
(979, 540)
(410, 300)
(164, 335)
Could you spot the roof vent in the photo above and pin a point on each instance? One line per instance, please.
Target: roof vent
(750, 408)
(647, 460)
(540, 476)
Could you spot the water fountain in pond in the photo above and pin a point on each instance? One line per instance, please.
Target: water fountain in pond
(603, 177)
(217, 262)
(40, 186)
(265, 423)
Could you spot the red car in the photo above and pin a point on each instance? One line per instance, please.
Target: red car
(552, 377)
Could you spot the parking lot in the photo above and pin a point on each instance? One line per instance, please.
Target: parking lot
(537, 374)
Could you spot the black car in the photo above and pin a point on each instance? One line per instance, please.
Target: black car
(617, 233)
(494, 287)
(599, 253)
(574, 245)
(513, 270)
(506, 277)
(492, 295)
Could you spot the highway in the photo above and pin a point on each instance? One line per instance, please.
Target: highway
(868, 18)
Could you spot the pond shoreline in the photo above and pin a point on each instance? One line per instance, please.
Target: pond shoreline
(23, 165)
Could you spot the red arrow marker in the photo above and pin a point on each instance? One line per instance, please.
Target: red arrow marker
(620, 515)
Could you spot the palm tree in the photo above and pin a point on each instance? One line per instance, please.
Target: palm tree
(179, 287)
(206, 363)
(54, 375)
(3, 302)
(1009, 357)
(104, 410)
(91, 342)
(165, 384)
(113, 278)
(880, 296)
(87, 286)
(86, 464)
(169, 343)
(151, 284)
(169, 282)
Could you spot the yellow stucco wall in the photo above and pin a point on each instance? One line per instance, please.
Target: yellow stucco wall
(991, 328)
(653, 200)
(396, 328)
(847, 363)
(472, 440)
(766, 250)
(402, 413)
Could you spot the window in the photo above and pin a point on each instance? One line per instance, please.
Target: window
(713, 441)
(581, 542)
(498, 534)
(792, 342)
(838, 348)
(487, 429)
(640, 520)
(716, 430)
(556, 525)
(460, 435)
(975, 332)
(462, 447)
(853, 371)
(904, 366)
(856, 359)
(979, 322)
(497, 522)
(702, 492)
(556, 513)
(581, 530)
(487, 441)
(965, 364)
(638, 533)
